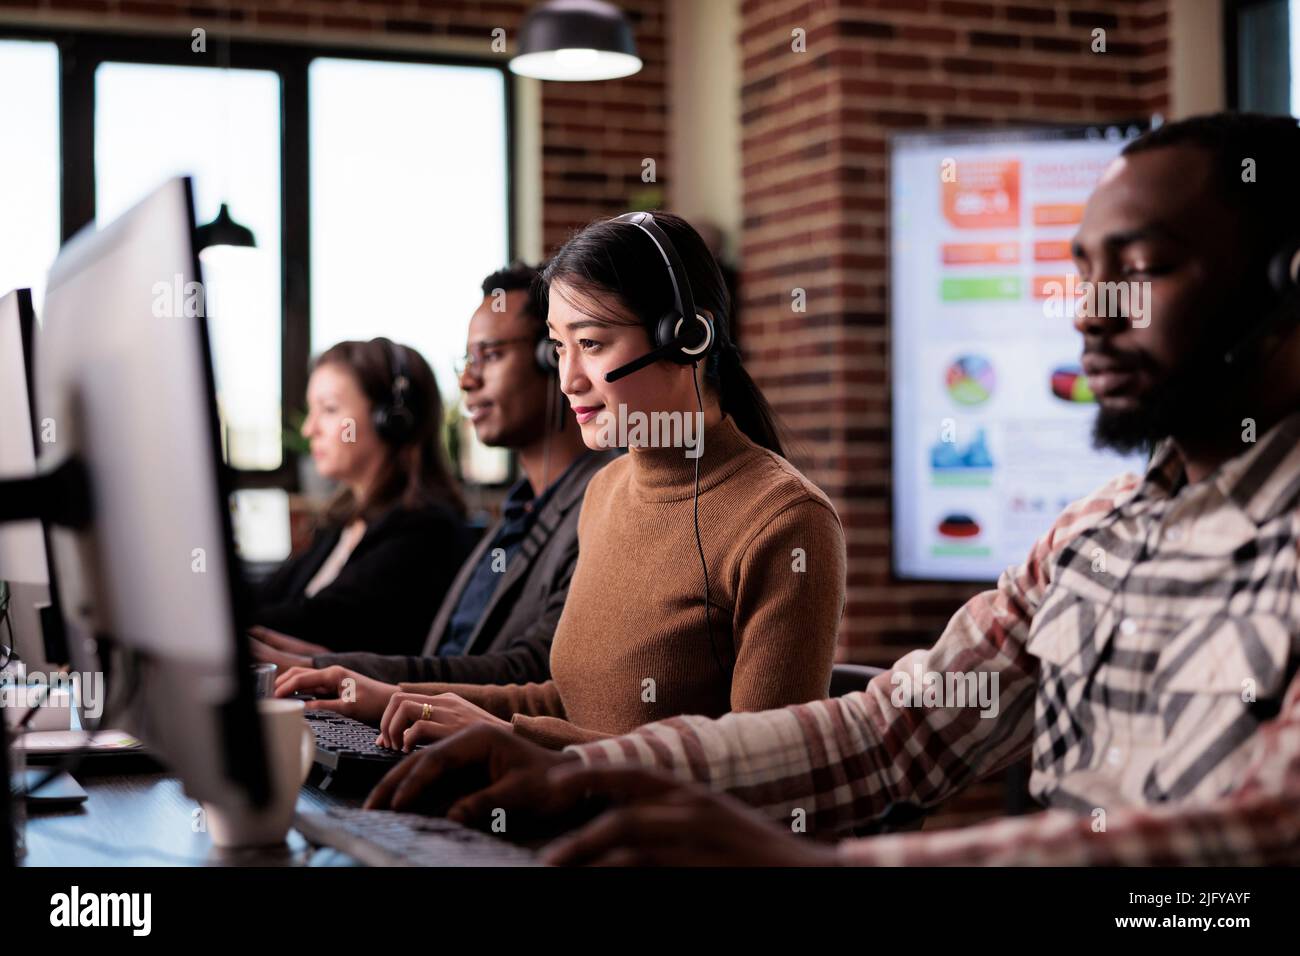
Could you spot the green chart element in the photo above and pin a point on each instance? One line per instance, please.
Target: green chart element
(987, 289)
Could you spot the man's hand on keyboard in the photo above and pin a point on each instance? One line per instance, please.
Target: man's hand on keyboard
(354, 695)
(655, 819)
(471, 775)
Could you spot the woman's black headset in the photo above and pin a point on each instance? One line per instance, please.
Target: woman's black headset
(394, 421)
(548, 362)
(675, 338)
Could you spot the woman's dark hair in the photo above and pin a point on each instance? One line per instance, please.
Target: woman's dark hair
(616, 269)
(415, 473)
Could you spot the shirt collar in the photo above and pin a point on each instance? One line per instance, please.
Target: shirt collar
(517, 498)
(520, 497)
(1262, 481)
(1265, 480)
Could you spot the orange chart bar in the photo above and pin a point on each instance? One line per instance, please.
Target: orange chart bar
(980, 253)
(1058, 214)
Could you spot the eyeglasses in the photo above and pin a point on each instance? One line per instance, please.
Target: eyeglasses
(486, 352)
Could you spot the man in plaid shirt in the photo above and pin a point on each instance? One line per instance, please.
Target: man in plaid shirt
(1144, 654)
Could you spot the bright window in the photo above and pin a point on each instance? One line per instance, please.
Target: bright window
(408, 213)
(29, 165)
(1267, 55)
(223, 128)
(396, 209)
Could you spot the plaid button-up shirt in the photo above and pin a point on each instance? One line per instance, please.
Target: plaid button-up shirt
(1145, 654)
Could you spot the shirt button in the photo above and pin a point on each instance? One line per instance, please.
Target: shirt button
(1128, 626)
(1114, 756)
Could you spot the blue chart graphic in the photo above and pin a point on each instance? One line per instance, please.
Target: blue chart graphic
(969, 464)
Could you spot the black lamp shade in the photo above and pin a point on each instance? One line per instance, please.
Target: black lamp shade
(576, 40)
(223, 231)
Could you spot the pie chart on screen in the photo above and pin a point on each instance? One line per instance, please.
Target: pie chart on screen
(1070, 385)
(970, 380)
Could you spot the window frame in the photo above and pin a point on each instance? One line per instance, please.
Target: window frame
(81, 53)
(1231, 19)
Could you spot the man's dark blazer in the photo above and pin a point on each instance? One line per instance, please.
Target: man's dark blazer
(511, 643)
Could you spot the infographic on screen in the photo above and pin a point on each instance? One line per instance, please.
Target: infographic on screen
(992, 414)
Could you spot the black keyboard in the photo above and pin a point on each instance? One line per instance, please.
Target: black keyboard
(386, 838)
(347, 758)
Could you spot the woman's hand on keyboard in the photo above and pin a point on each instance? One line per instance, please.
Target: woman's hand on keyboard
(473, 774)
(286, 644)
(283, 660)
(354, 695)
(411, 719)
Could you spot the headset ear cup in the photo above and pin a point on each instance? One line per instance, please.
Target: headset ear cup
(694, 342)
(405, 424)
(394, 424)
(700, 342)
(706, 346)
(666, 331)
(380, 420)
(393, 421)
(548, 363)
(1284, 268)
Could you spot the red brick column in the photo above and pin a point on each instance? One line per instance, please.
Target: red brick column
(815, 196)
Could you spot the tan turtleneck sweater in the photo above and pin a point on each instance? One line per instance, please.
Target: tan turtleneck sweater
(631, 646)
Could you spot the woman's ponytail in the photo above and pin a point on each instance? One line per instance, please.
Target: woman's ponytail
(744, 401)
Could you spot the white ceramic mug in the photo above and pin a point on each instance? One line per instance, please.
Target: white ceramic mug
(290, 749)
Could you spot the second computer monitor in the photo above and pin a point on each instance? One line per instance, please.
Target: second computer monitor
(22, 544)
(34, 624)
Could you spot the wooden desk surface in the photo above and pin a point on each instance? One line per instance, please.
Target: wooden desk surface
(145, 819)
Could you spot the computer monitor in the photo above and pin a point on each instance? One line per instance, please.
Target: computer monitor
(32, 619)
(22, 545)
(124, 385)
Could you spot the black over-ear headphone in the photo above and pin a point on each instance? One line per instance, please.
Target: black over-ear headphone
(682, 335)
(548, 363)
(544, 357)
(1284, 281)
(394, 421)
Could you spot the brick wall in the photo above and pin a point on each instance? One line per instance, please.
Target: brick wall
(815, 216)
(594, 136)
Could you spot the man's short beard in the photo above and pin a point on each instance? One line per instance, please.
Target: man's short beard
(1201, 398)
